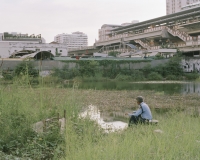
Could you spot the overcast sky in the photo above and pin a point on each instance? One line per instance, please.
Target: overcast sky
(52, 17)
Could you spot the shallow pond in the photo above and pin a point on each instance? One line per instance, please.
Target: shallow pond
(168, 87)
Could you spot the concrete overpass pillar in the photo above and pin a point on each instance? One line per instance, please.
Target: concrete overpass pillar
(152, 42)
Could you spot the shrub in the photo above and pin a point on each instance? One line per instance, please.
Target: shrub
(172, 77)
(65, 73)
(173, 67)
(121, 77)
(88, 68)
(25, 68)
(154, 76)
(137, 75)
(7, 75)
(147, 69)
(113, 53)
(191, 76)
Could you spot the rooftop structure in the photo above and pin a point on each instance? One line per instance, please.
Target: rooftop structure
(14, 36)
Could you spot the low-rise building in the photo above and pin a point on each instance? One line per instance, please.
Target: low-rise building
(11, 43)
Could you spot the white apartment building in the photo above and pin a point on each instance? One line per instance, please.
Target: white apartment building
(173, 6)
(74, 40)
(193, 5)
(14, 42)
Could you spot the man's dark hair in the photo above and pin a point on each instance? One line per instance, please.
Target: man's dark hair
(139, 99)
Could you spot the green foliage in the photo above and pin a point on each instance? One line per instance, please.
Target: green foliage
(137, 75)
(191, 76)
(154, 76)
(88, 68)
(172, 77)
(146, 70)
(25, 68)
(120, 77)
(113, 53)
(158, 56)
(120, 70)
(65, 73)
(83, 69)
(173, 67)
(19, 111)
(7, 75)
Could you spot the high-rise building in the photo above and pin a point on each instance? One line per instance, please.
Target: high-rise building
(74, 40)
(173, 6)
(189, 6)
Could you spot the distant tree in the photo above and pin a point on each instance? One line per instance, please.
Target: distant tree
(113, 53)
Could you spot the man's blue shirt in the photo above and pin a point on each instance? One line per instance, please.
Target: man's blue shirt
(145, 114)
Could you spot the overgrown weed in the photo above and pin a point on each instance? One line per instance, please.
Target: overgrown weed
(21, 106)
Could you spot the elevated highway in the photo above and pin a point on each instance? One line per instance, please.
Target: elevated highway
(180, 30)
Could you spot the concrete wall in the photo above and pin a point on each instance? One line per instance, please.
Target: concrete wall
(189, 65)
(50, 65)
(40, 65)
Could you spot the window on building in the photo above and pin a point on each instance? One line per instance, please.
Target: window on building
(60, 50)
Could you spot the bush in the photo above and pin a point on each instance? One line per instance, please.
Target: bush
(191, 76)
(172, 77)
(25, 68)
(147, 69)
(66, 73)
(88, 68)
(173, 67)
(137, 75)
(7, 75)
(121, 77)
(154, 76)
(113, 53)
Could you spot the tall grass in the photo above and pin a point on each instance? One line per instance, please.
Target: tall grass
(20, 107)
(178, 121)
(180, 140)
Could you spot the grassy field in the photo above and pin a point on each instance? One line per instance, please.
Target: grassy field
(178, 120)
(21, 106)
(179, 140)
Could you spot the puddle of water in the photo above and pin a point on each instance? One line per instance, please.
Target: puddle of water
(94, 114)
